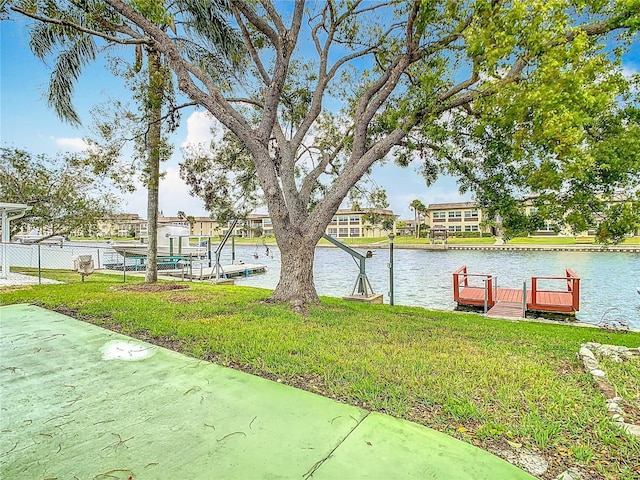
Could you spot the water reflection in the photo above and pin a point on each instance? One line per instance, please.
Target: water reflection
(608, 281)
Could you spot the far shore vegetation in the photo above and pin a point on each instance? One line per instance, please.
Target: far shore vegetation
(500, 385)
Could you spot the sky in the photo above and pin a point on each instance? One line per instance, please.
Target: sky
(27, 123)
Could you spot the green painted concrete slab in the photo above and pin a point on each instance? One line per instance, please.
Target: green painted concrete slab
(78, 401)
(67, 412)
(393, 448)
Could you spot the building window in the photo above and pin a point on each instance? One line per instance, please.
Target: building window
(439, 215)
(354, 218)
(548, 227)
(455, 214)
(333, 232)
(354, 232)
(471, 228)
(455, 228)
(471, 214)
(343, 232)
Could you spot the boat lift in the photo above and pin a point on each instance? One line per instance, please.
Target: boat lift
(218, 250)
(362, 285)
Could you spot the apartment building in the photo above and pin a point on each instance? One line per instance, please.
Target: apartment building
(354, 224)
(256, 225)
(345, 224)
(455, 217)
(123, 225)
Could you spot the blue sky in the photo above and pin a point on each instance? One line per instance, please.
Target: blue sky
(27, 123)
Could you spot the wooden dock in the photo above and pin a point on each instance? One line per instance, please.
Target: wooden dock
(506, 310)
(513, 302)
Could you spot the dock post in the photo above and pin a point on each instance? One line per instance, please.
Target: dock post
(391, 237)
(233, 249)
(524, 299)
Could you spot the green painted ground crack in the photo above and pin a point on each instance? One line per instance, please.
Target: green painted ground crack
(320, 462)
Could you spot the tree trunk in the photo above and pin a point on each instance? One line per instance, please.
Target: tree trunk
(154, 139)
(296, 284)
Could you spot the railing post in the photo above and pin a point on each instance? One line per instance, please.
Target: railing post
(534, 292)
(486, 294)
(524, 299)
(495, 289)
(456, 287)
(576, 294)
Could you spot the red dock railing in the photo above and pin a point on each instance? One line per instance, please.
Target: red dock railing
(473, 295)
(538, 299)
(563, 300)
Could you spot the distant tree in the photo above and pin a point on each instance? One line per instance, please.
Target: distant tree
(64, 196)
(418, 208)
(190, 219)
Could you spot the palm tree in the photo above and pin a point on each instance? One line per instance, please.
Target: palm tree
(418, 207)
(72, 34)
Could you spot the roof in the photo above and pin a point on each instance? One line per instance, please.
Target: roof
(347, 211)
(448, 206)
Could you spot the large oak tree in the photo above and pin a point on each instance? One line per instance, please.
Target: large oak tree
(518, 98)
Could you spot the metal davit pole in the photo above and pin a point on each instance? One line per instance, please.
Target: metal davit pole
(362, 282)
(391, 237)
(39, 265)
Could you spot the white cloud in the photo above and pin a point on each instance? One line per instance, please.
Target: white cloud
(202, 128)
(71, 144)
(630, 70)
(174, 196)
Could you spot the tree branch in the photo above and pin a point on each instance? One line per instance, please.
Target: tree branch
(252, 51)
(80, 28)
(262, 26)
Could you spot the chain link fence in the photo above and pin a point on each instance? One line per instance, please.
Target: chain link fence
(55, 256)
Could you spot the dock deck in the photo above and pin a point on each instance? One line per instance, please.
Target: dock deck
(514, 302)
(202, 272)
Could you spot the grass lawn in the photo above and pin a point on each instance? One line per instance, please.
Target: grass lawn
(500, 385)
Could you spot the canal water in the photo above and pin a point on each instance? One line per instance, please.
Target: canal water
(608, 280)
